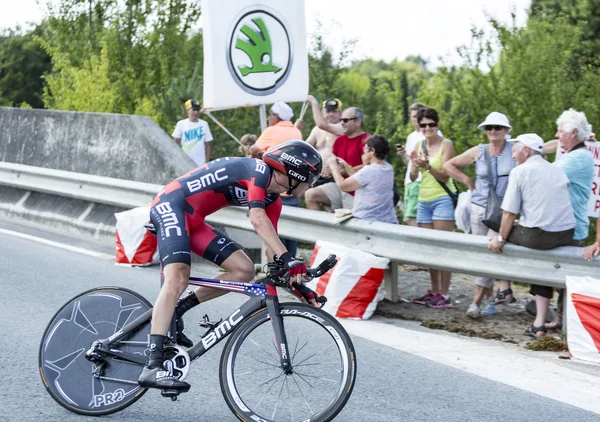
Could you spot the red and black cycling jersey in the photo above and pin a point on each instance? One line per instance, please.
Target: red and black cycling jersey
(180, 208)
(226, 182)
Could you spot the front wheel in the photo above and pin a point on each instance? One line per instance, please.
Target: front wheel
(256, 388)
(69, 376)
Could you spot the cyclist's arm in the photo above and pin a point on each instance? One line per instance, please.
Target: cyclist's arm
(265, 230)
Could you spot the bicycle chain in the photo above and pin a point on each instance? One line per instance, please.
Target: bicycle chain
(141, 343)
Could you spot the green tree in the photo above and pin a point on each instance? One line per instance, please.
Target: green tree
(22, 63)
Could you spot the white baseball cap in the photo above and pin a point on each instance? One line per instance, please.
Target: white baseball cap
(282, 110)
(531, 140)
(495, 119)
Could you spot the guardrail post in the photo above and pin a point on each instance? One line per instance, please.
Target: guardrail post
(391, 282)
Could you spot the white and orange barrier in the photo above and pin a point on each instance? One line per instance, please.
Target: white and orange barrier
(354, 286)
(136, 246)
(583, 318)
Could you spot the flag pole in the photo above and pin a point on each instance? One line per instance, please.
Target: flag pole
(263, 117)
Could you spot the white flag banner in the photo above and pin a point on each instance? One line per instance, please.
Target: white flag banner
(254, 53)
(594, 203)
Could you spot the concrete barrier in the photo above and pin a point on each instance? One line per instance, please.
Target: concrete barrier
(113, 145)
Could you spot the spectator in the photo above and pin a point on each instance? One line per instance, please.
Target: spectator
(372, 184)
(411, 189)
(247, 141)
(436, 207)
(280, 129)
(497, 127)
(193, 134)
(325, 133)
(578, 164)
(348, 149)
(539, 192)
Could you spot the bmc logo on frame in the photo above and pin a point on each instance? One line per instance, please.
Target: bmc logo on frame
(259, 51)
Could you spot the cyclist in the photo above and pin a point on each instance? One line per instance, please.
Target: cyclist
(178, 214)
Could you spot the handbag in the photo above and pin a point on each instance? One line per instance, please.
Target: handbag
(452, 195)
(493, 209)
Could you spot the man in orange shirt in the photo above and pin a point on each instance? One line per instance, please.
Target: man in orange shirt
(280, 129)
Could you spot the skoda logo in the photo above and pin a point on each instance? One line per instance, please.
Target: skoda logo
(259, 51)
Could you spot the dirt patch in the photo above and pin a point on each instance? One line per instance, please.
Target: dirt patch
(547, 344)
(507, 325)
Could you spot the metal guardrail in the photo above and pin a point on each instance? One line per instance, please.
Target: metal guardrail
(450, 251)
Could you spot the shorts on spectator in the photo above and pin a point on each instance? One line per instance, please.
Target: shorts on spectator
(438, 209)
(337, 198)
(411, 200)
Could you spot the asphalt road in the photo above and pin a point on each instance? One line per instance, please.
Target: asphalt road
(36, 279)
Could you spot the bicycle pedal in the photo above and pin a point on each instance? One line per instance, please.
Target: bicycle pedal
(172, 394)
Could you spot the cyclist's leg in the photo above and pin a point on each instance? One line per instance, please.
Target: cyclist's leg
(170, 221)
(216, 247)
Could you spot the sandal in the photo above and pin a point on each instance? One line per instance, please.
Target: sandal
(554, 325)
(501, 298)
(532, 331)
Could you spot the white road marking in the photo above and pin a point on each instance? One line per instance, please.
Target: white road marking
(75, 249)
(501, 362)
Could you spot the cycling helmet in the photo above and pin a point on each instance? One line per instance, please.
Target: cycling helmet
(299, 160)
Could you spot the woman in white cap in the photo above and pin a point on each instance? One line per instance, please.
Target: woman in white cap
(497, 127)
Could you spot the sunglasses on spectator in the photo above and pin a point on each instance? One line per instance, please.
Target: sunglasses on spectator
(494, 127)
(346, 120)
(367, 148)
(424, 125)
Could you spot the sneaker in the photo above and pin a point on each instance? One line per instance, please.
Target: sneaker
(473, 311)
(182, 339)
(439, 301)
(425, 298)
(158, 377)
(489, 310)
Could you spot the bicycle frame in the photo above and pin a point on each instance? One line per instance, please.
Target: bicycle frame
(261, 296)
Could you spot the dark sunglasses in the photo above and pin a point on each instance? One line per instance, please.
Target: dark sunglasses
(424, 125)
(494, 127)
(346, 120)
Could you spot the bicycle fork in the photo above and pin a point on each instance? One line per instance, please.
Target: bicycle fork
(279, 331)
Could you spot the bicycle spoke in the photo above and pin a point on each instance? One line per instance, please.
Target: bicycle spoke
(264, 350)
(304, 345)
(269, 389)
(317, 363)
(278, 397)
(302, 378)
(289, 399)
(315, 354)
(259, 361)
(302, 394)
(316, 377)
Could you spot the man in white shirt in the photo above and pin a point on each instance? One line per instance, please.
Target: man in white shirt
(539, 192)
(193, 134)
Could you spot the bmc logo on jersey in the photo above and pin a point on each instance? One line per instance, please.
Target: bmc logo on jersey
(206, 180)
(297, 175)
(291, 159)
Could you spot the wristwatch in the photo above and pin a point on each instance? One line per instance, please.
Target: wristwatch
(500, 239)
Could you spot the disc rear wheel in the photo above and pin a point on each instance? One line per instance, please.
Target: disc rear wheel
(68, 375)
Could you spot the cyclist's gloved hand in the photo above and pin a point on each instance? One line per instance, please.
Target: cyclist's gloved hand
(295, 268)
(308, 294)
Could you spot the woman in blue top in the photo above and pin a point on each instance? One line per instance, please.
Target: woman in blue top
(497, 127)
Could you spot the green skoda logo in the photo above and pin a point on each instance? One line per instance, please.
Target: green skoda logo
(259, 53)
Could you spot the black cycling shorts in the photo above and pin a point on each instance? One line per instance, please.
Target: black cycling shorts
(176, 241)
